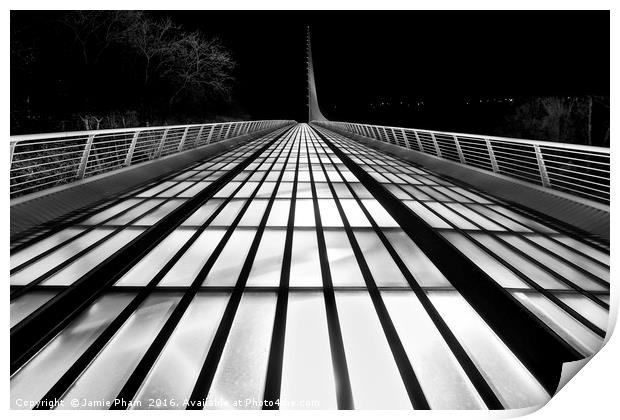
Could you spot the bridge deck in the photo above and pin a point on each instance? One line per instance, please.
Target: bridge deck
(308, 267)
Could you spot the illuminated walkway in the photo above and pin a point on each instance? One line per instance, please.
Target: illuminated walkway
(308, 270)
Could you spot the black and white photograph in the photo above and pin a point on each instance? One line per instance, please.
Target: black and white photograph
(220, 208)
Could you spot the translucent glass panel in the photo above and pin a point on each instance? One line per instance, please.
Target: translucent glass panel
(571, 330)
(144, 271)
(305, 264)
(278, 216)
(157, 189)
(241, 372)
(254, 213)
(87, 262)
(322, 190)
(304, 213)
(451, 216)
(398, 192)
(428, 216)
(452, 195)
(584, 248)
(383, 268)
(200, 216)
(443, 381)
(590, 310)
(266, 188)
(499, 218)
(375, 379)
(436, 195)
(285, 190)
(354, 214)
(158, 213)
(267, 265)
(524, 265)
(512, 382)
(572, 274)
(28, 303)
(184, 272)
(345, 271)
(329, 213)
(304, 190)
(525, 221)
(474, 217)
(381, 217)
(43, 265)
(39, 247)
(33, 380)
(307, 371)
(228, 213)
(227, 190)
(229, 263)
(342, 191)
(496, 270)
(173, 376)
(176, 189)
(111, 212)
(424, 271)
(595, 267)
(246, 190)
(360, 190)
(107, 374)
(134, 213)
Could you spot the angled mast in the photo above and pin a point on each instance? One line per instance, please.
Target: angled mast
(314, 112)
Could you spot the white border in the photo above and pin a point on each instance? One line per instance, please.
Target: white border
(592, 394)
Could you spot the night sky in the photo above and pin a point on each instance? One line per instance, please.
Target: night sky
(366, 59)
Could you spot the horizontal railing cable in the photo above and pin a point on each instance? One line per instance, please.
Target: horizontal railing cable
(544, 163)
(42, 161)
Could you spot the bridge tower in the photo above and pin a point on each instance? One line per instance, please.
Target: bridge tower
(314, 112)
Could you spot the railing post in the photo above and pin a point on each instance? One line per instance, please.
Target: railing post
(210, 135)
(544, 176)
(492, 156)
(233, 130)
(437, 150)
(225, 136)
(417, 139)
(132, 148)
(385, 133)
(82, 168)
(459, 150)
(395, 137)
(160, 148)
(182, 143)
(197, 139)
(13, 144)
(405, 138)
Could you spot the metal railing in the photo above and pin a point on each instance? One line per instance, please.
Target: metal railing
(41, 161)
(575, 169)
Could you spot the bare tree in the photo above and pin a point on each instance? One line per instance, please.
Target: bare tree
(559, 111)
(155, 41)
(118, 61)
(95, 30)
(200, 66)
